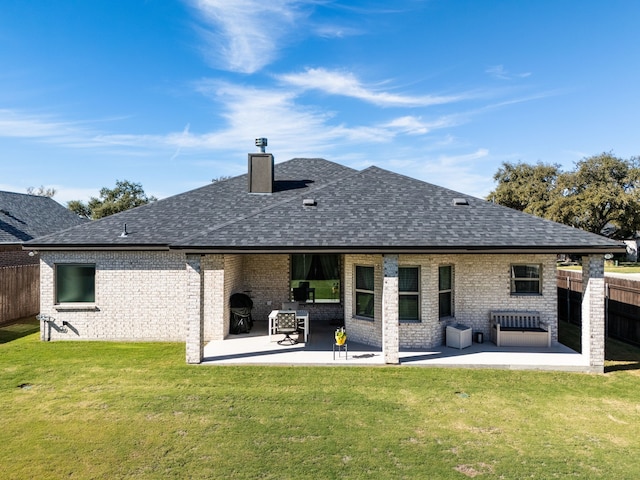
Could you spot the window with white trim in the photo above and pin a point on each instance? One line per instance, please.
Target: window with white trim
(364, 291)
(526, 279)
(409, 293)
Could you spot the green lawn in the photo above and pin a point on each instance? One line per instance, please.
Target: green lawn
(90, 410)
(324, 289)
(610, 267)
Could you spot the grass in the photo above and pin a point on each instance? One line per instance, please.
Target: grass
(324, 289)
(94, 410)
(609, 267)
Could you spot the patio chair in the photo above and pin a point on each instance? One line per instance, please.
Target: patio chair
(301, 323)
(286, 323)
(302, 291)
(241, 320)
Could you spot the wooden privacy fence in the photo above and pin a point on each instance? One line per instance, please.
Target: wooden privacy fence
(19, 292)
(622, 308)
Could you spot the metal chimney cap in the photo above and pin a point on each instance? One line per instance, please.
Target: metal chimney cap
(262, 143)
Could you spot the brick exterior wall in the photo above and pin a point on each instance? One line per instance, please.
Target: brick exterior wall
(145, 295)
(390, 310)
(363, 330)
(139, 296)
(593, 299)
(195, 309)
(482, 283)
(12, 255)
(267, 277)
(152, 295)
(215, 277)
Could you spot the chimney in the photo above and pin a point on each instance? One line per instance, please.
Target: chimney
(261, 169)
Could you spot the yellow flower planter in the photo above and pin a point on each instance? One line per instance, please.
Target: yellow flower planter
(341, 336)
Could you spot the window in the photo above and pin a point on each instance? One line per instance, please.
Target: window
(75, 283)
(320, 273)
(364, 291)
(525, 279)
(409, 293)
(445, 291)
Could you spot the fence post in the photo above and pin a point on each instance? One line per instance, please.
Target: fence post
(568, 298)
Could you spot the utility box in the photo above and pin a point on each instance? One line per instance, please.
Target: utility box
(458, 336)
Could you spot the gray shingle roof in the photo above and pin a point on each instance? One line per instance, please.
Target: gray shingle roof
(368, 210)
(25, 217)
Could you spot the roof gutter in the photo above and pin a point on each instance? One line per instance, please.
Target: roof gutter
(433, 250)
(93, 248)
(404, 250)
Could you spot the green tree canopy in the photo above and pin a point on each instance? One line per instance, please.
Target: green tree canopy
(600, 195)
(528, 188)
(124, 196)
(79, 208)
(601, 192)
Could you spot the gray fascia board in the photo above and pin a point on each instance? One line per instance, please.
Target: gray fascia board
(93, 248)
(403, 250)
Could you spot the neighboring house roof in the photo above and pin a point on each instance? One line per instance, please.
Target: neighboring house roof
(25, 217)
(372, 210)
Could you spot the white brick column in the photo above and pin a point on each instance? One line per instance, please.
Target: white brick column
(593, 300)
(390, 314)
(195, 325)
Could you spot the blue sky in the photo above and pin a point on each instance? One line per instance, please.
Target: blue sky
(172, 94)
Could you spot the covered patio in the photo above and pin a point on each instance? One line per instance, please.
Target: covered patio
(254, 348)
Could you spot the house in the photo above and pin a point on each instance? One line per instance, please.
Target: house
(396, 258)
(23, 218)
(632, 249)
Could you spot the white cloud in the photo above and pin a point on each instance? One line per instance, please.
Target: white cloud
(185, 134)
(336, 31)
(63, 194)
(19, 125)
(346, 84)
(455, 160)
(461, 173)
(412, 125)
(252, 112)
(498, 71)
(275, 113)
(246, 35)
(47, 129)
(247, 113)
(6, 187)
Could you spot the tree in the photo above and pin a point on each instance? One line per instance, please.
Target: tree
(124, 196)
(601, 192)
(41, 191)
(528, 188)
(79, 208)
(601, 195)
(220, 178)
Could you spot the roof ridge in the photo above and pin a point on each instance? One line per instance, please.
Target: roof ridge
(267, 207)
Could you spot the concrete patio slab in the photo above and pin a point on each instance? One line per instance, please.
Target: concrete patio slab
(254, 348)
